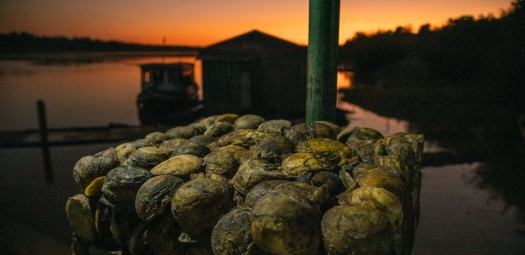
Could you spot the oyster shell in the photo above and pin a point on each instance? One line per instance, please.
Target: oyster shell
(279, 127)
(218, 129)
(155, 194)
(157, 137)
(245, 138)
(202, 139)
(89, 168)
(248, 121)
(124, 150)
(252, 172)
(355, 229)
(329, 152)
(191, 148)
(146, 157)
(231, 235)
(286, 224)
(78, 209)
(123, 182)
(317, 194)
(223, 161)
(299, 163)
(305, 131)
(181, 166)
(199, 203)
(273, 148)
(182, 132)
(227, 117)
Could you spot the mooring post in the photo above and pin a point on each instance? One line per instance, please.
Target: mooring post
(42, 125)
(323, 39)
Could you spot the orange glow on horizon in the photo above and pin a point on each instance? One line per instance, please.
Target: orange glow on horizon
(202, 23)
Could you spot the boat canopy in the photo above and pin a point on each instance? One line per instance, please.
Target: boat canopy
(172, 77)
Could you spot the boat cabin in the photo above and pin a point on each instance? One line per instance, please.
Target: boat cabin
(173, 78)
(168, 93)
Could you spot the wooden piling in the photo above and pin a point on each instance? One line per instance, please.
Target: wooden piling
(42, 125)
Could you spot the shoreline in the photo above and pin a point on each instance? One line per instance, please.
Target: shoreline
(92, 56)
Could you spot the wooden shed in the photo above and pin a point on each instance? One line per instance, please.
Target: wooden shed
(254, 73)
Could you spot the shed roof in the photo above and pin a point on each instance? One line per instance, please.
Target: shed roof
(247, 46)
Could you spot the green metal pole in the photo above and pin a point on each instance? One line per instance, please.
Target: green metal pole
(323, 37)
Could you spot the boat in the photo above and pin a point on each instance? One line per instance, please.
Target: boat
(169, 94)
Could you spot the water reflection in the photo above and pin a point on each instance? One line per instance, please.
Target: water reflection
(360, 117)
(472, 126)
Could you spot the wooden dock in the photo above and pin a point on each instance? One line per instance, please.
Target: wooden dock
(76, 135)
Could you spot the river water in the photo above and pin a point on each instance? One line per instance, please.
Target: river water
(456, 216)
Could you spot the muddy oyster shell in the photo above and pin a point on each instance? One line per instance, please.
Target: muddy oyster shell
(208, 121)
(335, 128)
(124, 150)
(355, 229)
(382, 200)
(155, 194)
(123, 182)
(286, 224)
(357, 133)
(103, 214)
(136, 243)
(191, 148)
(169, 145)
(182, 132)
(146, 157)
(227, 117)
(273, 148)
(161, 235)
(157, 137)
(305, 131)
(199, 204)
(218, 129)
(252, 172)
(95, 187)
(122, 226)
(245, 138)
(200, 128)
(181, 166)
(381, 178)
(329, 152)
(347, 179)
(299, 163)
(89, 168)
(223, 161)
(202, 139)
(231, 235)
(82, 222)
(317, 194)
(248, 121)
(139, 143)
(318, 179)
(278, 127)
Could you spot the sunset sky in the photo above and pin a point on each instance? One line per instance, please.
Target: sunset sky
(204, 22)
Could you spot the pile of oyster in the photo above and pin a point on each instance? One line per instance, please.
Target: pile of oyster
(244, 185)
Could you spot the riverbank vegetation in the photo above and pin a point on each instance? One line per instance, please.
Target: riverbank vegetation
(26, 43)
(461, 85)
(466, 51)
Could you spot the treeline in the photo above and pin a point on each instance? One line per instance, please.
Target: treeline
(488, 51)
(22, 42)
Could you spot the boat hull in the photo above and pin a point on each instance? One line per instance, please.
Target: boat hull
(167, 109)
